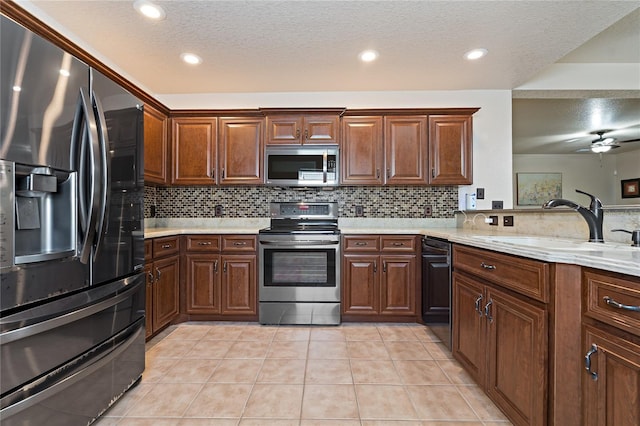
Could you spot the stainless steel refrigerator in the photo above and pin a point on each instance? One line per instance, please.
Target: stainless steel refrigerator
(71, 235)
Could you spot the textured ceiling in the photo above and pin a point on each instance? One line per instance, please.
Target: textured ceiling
(289, 46)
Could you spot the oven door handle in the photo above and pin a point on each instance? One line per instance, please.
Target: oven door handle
(300, 242)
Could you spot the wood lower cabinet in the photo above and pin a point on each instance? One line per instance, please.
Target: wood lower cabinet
(194, 150)
(500, 337)
(221, 276)
(163, 283)
(611, 349)
(156, 146)
(378, 277)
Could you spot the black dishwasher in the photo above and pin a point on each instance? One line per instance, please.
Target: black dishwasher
(436, 286)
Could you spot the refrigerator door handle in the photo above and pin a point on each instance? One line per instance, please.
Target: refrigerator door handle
(86, 132)
(103, 139)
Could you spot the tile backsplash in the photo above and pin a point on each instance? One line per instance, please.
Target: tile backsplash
(253, 201)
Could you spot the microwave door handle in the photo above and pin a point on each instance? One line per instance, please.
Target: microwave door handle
(93, 173)
(105, 177)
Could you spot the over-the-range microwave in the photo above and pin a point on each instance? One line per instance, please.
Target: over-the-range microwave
(312, 165)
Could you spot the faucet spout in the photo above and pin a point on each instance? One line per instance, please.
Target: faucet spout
(593, 215)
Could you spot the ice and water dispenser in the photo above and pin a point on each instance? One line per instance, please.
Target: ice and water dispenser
(38, 214)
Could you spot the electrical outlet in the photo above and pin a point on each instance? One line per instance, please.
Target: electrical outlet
(479, 193)
(428, 211)
(359, 211)
(496, 205)
(219, 211)
(507, 221)
(494, 220)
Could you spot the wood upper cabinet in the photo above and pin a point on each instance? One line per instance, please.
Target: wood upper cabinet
(362, 154)
(194, 150)
(241, 151)
(156, 146)
(405, 142)
(296, 129)
(450, 150)
(379, 276)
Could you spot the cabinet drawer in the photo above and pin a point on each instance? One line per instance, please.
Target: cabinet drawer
(203, 243)
(165, 246)
(148, 250)
(239, 243)
(398, 243)
(360, 243)
(525, 276)
(613, 299)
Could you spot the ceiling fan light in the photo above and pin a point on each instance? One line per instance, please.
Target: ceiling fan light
(598, 149)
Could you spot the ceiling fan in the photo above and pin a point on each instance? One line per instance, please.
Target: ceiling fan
(605, 144)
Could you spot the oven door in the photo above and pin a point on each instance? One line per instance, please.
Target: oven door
(299, 268)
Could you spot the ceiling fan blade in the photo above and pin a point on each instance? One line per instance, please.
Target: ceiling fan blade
(630, 140)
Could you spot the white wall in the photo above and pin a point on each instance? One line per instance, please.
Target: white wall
(491, 124)
(627, 167)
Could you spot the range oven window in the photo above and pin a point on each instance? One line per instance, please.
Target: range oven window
(300, 268)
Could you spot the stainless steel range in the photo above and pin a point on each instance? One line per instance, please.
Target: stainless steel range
(299, 255)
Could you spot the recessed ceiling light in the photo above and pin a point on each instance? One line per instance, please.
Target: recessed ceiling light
(17, 88)
(368, 55)
(191, 58)
(149, 9)
(65, 73)
(474, 54)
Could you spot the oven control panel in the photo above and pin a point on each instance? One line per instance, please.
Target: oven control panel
(304, 210)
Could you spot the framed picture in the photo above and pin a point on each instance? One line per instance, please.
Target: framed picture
(630, 188)
(535, 189)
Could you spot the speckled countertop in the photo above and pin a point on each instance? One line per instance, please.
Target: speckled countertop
(614, 257)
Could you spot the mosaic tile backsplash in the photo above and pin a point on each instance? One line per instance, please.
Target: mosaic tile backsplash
(253, 201)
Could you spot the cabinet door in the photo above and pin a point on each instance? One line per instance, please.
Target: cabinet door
(203, 283)
(468, 328)
(517, 367)
(148, 310)
(360, 289)
(156, 148)
(613, 398)
(405, 140)
(284, 130)
(397, 285)
(239, 284)
(321, 129)
(194, 151)
(165, 291)
(362, 153)
(241, 151)
(450, 150)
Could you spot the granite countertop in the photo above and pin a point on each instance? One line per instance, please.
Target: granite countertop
(613, 257)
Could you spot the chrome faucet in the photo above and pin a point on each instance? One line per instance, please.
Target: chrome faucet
(593, 215)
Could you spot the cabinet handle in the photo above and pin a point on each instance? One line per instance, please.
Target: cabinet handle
(150, 277)
(224, 267)
(375, 267)
(215, 266)
(360, 243)
(433, 173)
(306, 133)
(377, 173)
(396, 244)
(384, 266)
(609, 301)
(298, 134)
(487, 266)
(487, 310)
(165, 246)
(240, 243)
(388, 173)
(158, 274)
(478, 302)
(222, 177)
(587, 361)
(213, 174)
(204, 243)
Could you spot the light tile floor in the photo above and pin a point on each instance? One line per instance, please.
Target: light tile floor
(356, 374)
